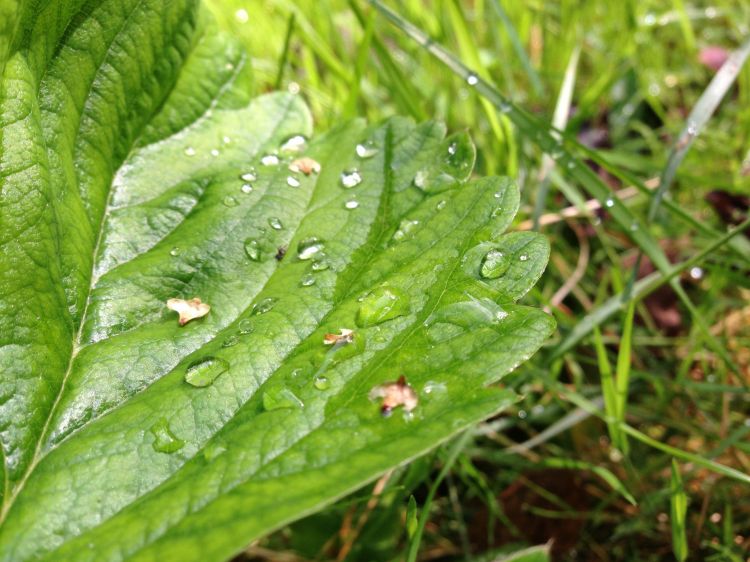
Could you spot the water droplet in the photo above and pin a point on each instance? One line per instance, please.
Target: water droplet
(522, 414)
(277, 399)
(384, 303)
(189, 151)
(472, 79)
(174, 251)
(275, 223)
(634, 226)
(226, 140)
(441, 205)
(351, 204)
(246, 188)
(696, 272)
(307, 280)
(230, 341)
(432, 387)
(494, 264)
(505, 107)
(291, 181)
(230, 201)
(263, 306)
(252, 249)
(308, 248)
(366, 149)
(498, 194)
(250, 175)
(692, 129)
(205, 371)
(270, 160)
(421, 178)
(405, 228)
(321, 382)
(164, 440)
(351, 178)
(213, 450)
(319, 265)
(245, 327)
(523, 257)
(214, 152)
(609, 203)
(295, 143)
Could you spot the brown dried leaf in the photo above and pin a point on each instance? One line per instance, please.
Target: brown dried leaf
(394, 394)
(188, 309)
(305, 165)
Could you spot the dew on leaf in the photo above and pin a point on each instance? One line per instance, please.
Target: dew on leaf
(351, 178)
(366, 149)
(174, 251)
(472, 79)
(214, 152)
(245, 327)
(270, 160)
(226, 140)
(205, 371)
(252, 249)
(230, 341)
(246, 188)
(250, 175)
(494, 264)
(384, 303)
(189, 151)
(609, 203)
(405, 228)
(523, 257)
(276, 399)
(291, 181)
(275, 223)
(213, 450)
(307, 280)
(263, 306)
(319, 265)
(164, 440)
(230, 201)
(294, 143)
(351, 204)
(309, 248)
(321, 383)
(188, 309)
(441, 204)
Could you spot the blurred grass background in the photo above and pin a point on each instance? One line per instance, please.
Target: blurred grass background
(620, 78)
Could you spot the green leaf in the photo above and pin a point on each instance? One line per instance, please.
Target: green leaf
(135, 169)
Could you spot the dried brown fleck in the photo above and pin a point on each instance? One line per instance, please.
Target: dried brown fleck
(395, 394)
(280, 253)
(305, 165)
(346, 336)
(188, 309)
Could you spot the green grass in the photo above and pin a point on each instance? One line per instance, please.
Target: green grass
(616, 395)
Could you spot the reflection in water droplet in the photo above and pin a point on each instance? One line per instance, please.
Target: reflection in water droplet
(245, 327)
(164, 440)
(205, 371)
(472, 79)
(174, 251)
(307, 280)
(263, 306)
(252, 249)
(270, 160)
(405, 228)
(351, 204)
(384, 303)
(276, 399)
(308, 248)
(250, 175)
(246, 188)
(230, 201)
(366, 149)
(295, 143)
(275, 223)
(523, 257)
(321, 382)
(291, 181)
(494, 264)
(351, 178)
(230, 341)
(189, 151)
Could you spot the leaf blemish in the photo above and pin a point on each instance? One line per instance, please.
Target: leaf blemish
(395, 394)
(188, 309)
(345, 336)
(280, 253)
(305, 165)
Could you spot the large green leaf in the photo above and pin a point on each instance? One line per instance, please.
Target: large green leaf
(126, 128)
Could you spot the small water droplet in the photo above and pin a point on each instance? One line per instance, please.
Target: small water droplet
(384, 303)
(275, 223)
(164, 440)
(294, 143)
(205, 371)
(307, 280)
(523, 257)
(505, 107)
(351, 178)
(252, 249)
(246, 188)
(472, 79)
(321, 382)
(405, 228)
(214, 152)
(250, 175)
(441, 205)
(696, 272)
(263, 306)
(571, 164)
(692, 129)
(245, 327)
(432, 387)
(291, 181)
(174, 251)
(609, 203)
(189, 151)
(351, 204)
(494, 264)
(319, 265)
(230, 201)
(270, 160)
(213, 450)
(276, 399)
(308, 248)
(227, 140)
(522, 414)
(230, 341)
(366, 149)
(634, 226)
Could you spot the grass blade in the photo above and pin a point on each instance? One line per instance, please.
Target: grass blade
(678, 509)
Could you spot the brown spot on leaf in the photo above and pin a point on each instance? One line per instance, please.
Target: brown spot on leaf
(280, 253)
(345, 336)
(305, 165)
(395, 394)
(188, 309)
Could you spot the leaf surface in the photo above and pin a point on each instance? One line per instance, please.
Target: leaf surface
(135, 169)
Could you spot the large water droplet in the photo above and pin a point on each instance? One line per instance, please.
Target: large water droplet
(295, 143)
(275, 223)
(291, 181)
(230, 341)
(494, 264)
(263, 306)
(351, 178)
(250, 175)
(205, 371)
(164, 440)
(472, 79)
(276, 399)
(523, 257)
(230, 201)
(308, 248)
(321, 383)
(459, 318)
(384, 303)
(174, 252)
(252, 249)
(245, 327)
(270, 160)
(366, 149)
